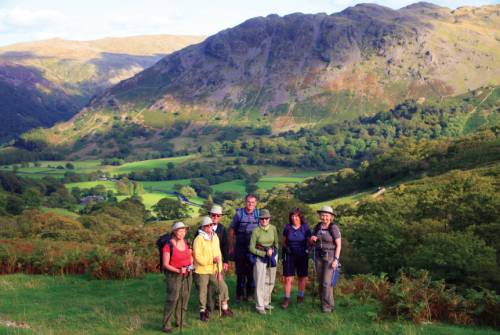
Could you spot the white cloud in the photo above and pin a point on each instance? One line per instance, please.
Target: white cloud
(27, 20)
(21, 18)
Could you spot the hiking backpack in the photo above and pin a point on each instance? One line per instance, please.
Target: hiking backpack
(160, 244)
(240, 212)
(317, 228)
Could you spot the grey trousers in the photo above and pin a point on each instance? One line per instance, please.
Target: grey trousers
(264, 283)
(203, 282)
(177, 299)
(324, 273)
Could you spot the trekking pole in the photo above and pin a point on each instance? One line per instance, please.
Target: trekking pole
(182, 303)
(217, 276)
(314, 273)
(270, 292)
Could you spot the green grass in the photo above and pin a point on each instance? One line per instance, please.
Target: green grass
(148, 164)
(165, 186)
(90, 166)
(237, 185)
(109, 185)
(267, 183)
(350, 199)
(149, 198)
(77, 305)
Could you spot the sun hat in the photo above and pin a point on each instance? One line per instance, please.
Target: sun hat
(206, 221)
(216, 209)
(264, 214)
(327, 209)
(179, 225)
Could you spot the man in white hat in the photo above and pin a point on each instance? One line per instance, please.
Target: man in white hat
(208, 268)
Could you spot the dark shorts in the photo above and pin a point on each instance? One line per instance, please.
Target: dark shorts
(295, 264)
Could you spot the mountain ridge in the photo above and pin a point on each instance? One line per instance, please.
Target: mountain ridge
(69, 73)
(317, 51)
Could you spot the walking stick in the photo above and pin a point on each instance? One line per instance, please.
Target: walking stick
(268, 269)
(217, 276)
(314, 272)
(182, 303)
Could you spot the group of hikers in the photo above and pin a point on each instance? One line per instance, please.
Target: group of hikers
(253, 245)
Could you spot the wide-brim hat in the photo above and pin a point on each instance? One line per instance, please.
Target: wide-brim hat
(206, 221)
(179, 225)
(327, 209)
(264, 214)
(216, 209)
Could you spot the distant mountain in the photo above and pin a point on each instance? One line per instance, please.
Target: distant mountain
(301, 70)
(48, 81)
(356, 61)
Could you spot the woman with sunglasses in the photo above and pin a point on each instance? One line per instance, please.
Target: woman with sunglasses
(219, 229)
(264, 245)
(208, 268)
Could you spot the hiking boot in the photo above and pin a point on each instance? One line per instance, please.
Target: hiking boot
(204, 316)
(269, 307)
(239, 299)
(261, 311)
(285, 303)
(250, 298)
(227, 312)
(300, 300)
(168, 330)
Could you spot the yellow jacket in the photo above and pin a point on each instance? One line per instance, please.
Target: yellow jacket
(204, 252)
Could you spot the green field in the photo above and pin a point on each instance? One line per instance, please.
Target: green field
(148, 164)
(350, 199)
(237, 185)
(49, 168)
(149, 198)
(109, 185)
(165, 186)
(267, 183)
(77, 305)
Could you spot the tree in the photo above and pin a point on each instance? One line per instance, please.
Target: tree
(187, 191)
(170, 209)
(14, 205)
(32, 197)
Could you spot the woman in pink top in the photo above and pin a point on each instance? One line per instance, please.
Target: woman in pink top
(177, 263)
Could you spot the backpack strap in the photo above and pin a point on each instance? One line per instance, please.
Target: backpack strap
(316, 229)
(330, 229)
(256, 214)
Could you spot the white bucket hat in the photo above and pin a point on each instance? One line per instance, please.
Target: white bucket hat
(216, 209)
(327, 209)
(179, 225)
(206, 221)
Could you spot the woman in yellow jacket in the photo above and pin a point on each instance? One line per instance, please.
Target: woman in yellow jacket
(208, 268)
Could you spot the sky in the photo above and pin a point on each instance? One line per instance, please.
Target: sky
(28, 20)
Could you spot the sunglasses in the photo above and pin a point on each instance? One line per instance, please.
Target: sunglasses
(216, 215)
(264, 219)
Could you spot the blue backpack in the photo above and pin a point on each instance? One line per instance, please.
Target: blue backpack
(240, 212)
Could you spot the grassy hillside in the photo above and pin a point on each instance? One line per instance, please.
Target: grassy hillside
(62, 305)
